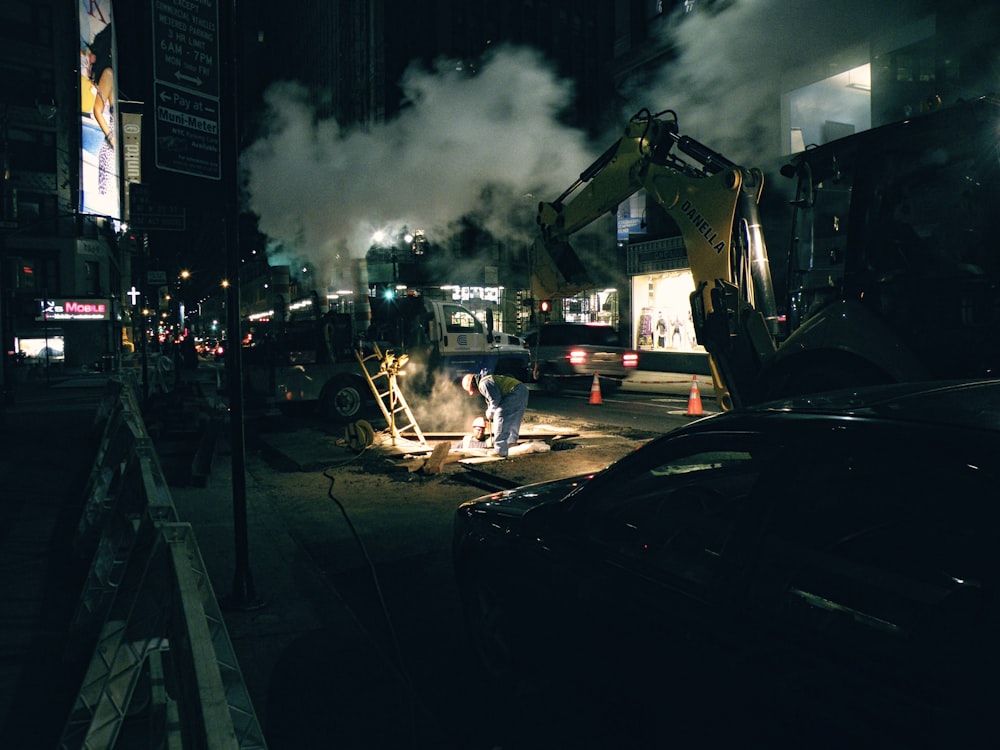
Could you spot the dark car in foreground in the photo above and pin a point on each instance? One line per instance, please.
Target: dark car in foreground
(821, 572)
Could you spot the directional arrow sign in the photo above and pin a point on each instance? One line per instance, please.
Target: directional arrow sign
(188, 139)
(186, 44)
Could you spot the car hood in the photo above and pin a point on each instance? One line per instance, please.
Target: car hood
(516, 502)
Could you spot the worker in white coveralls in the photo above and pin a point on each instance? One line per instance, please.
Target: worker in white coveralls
(506, 402)
(477, 439)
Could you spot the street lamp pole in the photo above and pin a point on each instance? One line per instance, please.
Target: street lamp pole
(7, 205)
(244, 595)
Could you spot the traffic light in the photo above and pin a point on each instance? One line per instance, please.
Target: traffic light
(25, 274)
(545, 308)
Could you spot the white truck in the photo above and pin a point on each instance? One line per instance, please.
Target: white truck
(316, 360)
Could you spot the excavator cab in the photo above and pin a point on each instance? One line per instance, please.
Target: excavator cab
(896, 225)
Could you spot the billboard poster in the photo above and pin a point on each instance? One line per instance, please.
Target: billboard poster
(100, 161)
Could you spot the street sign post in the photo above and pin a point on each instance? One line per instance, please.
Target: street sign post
(186, 69)
(146, 215)
(187, 132)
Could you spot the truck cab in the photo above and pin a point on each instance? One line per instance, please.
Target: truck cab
(319, 359)
(463, 344)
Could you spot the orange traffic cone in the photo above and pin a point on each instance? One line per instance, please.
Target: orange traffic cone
(595, 391)
(694, 400)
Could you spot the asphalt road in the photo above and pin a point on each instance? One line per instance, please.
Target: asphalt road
(623, 410)
(358, 642)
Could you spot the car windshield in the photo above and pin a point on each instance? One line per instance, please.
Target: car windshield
(673, 505)
(669, 462)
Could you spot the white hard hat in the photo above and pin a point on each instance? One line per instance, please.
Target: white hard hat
(467, 382)
(479, 422)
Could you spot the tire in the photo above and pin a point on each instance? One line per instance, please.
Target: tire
(359, 435)
(342, 399)
(550, 385)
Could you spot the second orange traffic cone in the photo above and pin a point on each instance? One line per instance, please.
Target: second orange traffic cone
(595, 391)
(694, 400)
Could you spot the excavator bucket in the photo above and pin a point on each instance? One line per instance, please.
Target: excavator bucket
(557, 271)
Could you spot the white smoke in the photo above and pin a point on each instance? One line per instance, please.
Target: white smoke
(488, 144)
(732, 63)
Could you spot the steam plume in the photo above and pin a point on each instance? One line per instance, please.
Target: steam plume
(488, 144)
(733, 60)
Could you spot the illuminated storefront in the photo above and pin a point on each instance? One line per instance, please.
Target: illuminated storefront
(65, 330)
(661, 289)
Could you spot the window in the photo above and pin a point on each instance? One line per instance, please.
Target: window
(674, 516)
(31, 150)
(461, 320)
(92, 278)
(22, 21)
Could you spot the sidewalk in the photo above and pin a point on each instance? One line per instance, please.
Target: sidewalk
(293, 645)
(320, 660)
(47, 447)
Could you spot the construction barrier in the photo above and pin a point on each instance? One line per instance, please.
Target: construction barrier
(159, 653)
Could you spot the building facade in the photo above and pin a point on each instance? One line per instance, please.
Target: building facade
(61, 275)
(853, 78)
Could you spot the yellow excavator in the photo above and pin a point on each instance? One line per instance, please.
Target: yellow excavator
(714, 203)
(892, 271)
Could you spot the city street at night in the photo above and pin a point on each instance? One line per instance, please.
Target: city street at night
(320, 325)
(358, 641)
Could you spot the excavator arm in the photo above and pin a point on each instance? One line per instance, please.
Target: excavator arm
(714, 203)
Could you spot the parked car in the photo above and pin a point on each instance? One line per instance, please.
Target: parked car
(821, 572)
(568, 355)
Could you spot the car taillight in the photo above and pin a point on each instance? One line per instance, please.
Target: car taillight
(577, 357)
(630, 359)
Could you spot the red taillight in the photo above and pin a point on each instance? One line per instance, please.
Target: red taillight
(577, 357)
(630, 359)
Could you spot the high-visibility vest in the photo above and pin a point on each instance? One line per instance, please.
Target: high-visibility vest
(505, 383)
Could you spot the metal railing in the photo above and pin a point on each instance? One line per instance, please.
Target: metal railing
(162, 671)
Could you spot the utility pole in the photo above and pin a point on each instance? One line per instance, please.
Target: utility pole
(244, 595)
(8, 220)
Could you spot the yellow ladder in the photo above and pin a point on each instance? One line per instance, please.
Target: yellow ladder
(390, 400)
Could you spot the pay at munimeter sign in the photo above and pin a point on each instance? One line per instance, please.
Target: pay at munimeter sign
(187, 132)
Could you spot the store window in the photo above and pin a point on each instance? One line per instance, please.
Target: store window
(828, 109)
(662, 311)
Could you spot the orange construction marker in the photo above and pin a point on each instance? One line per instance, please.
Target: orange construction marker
(694, 400)
(595, 391)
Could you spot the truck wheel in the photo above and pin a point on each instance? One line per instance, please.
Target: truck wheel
(359, 435)
(550, 385)
(341, 400)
